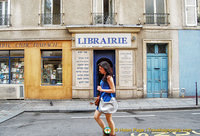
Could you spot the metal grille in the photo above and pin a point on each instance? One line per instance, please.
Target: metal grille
(4, 19)
(54, 19)
(157, 18)
(162, 48)
(150, 48)
(100, 18)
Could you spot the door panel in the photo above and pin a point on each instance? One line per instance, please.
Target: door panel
(157, 76)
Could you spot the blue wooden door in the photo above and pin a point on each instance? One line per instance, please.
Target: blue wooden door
(157, 73)
(102, 55)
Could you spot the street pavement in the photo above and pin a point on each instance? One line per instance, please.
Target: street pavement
(12, 108)
(134, 123)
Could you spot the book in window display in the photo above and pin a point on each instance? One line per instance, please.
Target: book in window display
(51, 75)
(59, 76)
(47, 70)
(4, 73)
(17, 72)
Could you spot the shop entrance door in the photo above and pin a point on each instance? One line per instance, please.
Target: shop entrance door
(157, 71)
(102, 55)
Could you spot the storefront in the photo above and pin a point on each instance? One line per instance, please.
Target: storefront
(35, 70)
(118, 46)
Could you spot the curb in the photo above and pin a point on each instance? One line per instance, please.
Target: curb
(119, 110)
(10, 117)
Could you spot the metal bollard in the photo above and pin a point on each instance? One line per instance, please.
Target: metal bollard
(196, 95)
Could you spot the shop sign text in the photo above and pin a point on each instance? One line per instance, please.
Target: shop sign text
(103, 40)
(7, 45)
(82, 68)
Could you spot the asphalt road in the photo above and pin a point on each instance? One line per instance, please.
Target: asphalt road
(142, 123)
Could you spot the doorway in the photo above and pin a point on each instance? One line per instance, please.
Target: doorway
(99, 56)
(157, 71)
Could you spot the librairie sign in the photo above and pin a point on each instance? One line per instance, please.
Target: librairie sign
(103, 40)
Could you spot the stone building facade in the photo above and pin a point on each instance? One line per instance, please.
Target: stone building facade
(49, 49)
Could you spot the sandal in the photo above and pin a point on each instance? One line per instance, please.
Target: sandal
(104, 134)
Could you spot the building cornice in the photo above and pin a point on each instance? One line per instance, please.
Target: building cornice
(104, 28)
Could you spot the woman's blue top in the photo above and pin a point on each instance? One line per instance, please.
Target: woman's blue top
(106, 96)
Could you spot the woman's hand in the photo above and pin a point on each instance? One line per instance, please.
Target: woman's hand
(99, 88)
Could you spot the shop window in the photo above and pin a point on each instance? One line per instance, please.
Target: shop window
(51, 67)
(12, 67)
(51, 12)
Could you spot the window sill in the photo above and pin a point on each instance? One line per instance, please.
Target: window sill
(5, 26)
(192, 27)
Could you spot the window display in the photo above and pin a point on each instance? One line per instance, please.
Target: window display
(52, 67)
(4, 71)
(17, 71)
(12, 67)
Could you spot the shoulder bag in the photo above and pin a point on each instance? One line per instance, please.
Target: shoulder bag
(108, 107)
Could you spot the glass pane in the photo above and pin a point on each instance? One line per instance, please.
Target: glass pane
(198, 15)
(19, 53)
(4, 53)
(190, 2)
(47, 6)
(6, 13)
(6, 8)
(52, 71)
(4, 71)
(1, 8)
(1, 13)
(17, 71)
(52, 53)
(149, 4)
(56, 12)
(160, 6)
(47, 11)
(162, 48)
(150, 48)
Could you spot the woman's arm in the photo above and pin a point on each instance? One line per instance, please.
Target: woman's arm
(110, 83)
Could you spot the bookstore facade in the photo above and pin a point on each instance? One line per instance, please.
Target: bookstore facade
(34, 70)
(118, 46)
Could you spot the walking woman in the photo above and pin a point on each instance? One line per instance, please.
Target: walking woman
(106, 89)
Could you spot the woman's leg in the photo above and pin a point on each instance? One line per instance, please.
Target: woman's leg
(110, 123)
(97, 115)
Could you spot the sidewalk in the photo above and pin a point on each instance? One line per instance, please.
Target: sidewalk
(12, 108)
